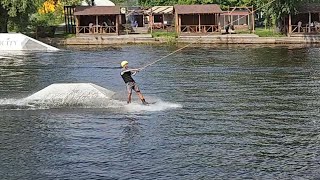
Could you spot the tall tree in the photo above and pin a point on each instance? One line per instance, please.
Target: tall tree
(16, 12)
(276, 10)
(3, 20)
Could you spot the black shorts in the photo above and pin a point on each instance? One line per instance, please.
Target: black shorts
(132, 86)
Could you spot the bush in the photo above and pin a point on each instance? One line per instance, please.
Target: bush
(164, 34)
(44, 25)
(46, 31)
(262, 32)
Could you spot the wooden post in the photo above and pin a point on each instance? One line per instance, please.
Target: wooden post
(224, 21)
(142, 20)
(215, 21)
(150, 22)
(231, 22)
(248, 22)
(77, 24)
(65, 18)
(117, 24)
(179, 23)
(290, 25)
(252, 19)
(238, 19)
(219, 22)
(199, 23)
(97, 21)
(309, 22)
(176, 22)
(162, 20)
(73, 19)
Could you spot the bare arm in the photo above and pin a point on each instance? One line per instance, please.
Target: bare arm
(133, 71)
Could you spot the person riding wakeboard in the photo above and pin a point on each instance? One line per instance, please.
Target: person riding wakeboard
(130, 83)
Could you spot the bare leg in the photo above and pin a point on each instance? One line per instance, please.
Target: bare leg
(142, 98)
(129, 98)
(140, 95)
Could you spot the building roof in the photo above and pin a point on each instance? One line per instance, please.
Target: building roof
(96, 10)
(99, 3)
(161, 10)
(198, 9)
(236, 12)
(309, 7)
(135, 10)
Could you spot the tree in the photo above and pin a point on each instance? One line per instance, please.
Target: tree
(276, 10)
(16, 12)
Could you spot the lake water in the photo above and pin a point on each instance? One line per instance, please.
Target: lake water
(222, 112)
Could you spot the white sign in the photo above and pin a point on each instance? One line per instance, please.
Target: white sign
(17, 41)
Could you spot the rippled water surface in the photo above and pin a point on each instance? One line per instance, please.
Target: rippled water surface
(226, 112)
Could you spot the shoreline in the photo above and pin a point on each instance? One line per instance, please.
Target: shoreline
(211, 39)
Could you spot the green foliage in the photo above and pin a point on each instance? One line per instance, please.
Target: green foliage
(71, 2)
(48, 19)
(16, 13)
(15, 8)
(64, 35)
(164, 34)
(263, 32)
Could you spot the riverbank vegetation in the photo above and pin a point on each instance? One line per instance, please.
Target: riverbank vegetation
(27, 15)
(268, 32)
(262, 32)
(164, 34)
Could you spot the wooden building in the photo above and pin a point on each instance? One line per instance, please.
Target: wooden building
(197, 18)
(306, 21)
(161, 17)
(242, 18)
(69, 19)
(97, 19)
(136, 16)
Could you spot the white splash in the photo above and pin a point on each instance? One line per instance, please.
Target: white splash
(71, 94)
(15, 104)
(80, 95)
(157, 106)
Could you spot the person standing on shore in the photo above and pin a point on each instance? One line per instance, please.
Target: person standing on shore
(227, 27)
(130, 83)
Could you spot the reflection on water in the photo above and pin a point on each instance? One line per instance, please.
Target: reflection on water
(243, 112)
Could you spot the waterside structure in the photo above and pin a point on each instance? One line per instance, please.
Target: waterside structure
(306, 21)
(97, 19)
(197, 18)
(161, 17)
(192, 23)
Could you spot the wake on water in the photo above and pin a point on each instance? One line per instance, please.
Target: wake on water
(79, 95)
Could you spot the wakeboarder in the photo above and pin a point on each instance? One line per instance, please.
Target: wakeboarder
(130, 83)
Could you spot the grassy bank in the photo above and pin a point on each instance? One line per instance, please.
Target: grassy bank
(164, 34)
(171, 37)
(263, 32)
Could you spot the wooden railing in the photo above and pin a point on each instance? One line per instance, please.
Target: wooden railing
(96, 30)
(305, 29)
(200, 29)
(301, 29)
(160, 26)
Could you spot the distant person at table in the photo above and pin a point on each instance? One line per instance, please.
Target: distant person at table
(299, 26)
(135, 24)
